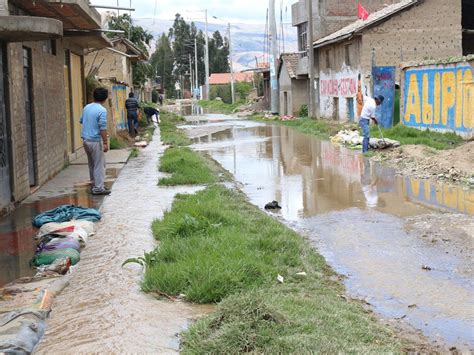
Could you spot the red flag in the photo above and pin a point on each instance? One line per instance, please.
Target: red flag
(363, 14)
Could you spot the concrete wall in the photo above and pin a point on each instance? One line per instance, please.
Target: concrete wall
(429, 30)
(338, 82)
(50, 142)
(439, 97)
(286, 93)
(112, 65)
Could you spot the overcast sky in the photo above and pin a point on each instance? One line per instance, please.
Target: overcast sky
(237, 11)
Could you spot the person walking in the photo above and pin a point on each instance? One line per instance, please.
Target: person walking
(94, 136)
(132, 106)
(367, 114)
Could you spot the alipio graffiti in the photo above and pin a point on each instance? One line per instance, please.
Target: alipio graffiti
(439, 97)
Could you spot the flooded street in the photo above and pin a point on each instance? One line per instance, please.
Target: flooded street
(404, 244)
(104, 308)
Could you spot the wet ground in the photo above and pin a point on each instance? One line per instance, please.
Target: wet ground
(103, 309)
(404, 244)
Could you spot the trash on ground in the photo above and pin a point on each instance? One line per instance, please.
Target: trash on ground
(141, 144)
(274, 205)
(66, 213)
(280, 279)
(301, 273)
(66, 228)
(49, 257)
(426, 267)
(354, 139)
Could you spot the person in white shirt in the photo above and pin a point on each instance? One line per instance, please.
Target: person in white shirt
(367, 114)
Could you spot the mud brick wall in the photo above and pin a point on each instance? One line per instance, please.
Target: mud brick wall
(48, 108)
(111, 64)
(429, 30)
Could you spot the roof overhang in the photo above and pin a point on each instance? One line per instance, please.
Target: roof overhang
(74, 14)
(27, 28)
(93, 40)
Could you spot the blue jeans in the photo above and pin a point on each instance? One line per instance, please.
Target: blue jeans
(132, 123)
(364, 124)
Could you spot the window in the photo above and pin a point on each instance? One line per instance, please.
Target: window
(303, 38)
(49, 46)
(328, 58)
(347, 50)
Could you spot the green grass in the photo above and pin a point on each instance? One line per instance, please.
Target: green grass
(134, 153)
(117, 143)
(407, 135)
(186, 166)
(319, 128)
(170, 133)
(217, 106)
(216, 247)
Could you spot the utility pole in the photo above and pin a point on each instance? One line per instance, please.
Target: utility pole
(275, 97)
(191, 73)
(196, 63)
(207, 61)
(232, 87)
(312, 102)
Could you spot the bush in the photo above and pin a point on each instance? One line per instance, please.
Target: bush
(303, 112)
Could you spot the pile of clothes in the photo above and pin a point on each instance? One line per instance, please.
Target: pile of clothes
(63, 233)
(354, 139)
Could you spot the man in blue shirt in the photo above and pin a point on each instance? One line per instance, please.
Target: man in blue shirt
(94, 135)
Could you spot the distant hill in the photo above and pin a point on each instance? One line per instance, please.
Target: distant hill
(247, 39)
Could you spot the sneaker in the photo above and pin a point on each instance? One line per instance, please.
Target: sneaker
(104, 192)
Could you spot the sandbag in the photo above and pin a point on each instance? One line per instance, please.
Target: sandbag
(58, 244)
(49, 257)
(67, 213)
(21, 330)
(66, 228)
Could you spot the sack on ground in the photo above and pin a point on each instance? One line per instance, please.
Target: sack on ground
(66, 228)
(49, 257)
(58, 244)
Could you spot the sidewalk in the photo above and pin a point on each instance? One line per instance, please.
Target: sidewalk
(103, 308)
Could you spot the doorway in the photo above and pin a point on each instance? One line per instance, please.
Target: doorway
(285, 102)
(5, 187)
(30, 129)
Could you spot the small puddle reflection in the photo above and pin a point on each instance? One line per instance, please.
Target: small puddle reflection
(354, 212)
(17, 245)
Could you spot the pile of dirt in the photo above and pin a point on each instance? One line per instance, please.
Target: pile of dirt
(454, 165)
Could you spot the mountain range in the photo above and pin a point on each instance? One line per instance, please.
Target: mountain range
(248, 40)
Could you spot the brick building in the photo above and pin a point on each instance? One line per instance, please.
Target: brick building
(408, 30)
(41, 89)
(113, 68)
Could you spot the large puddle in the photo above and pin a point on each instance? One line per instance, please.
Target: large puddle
(355, 212)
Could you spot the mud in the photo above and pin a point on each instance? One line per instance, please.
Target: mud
(104, 308)
(373, 226)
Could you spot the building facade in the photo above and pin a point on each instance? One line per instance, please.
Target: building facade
(37, 97)
(365, 55)
(293, 90)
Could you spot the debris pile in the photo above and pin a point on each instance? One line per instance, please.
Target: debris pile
(354, 139)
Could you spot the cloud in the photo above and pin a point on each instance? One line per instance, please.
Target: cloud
(237, 11)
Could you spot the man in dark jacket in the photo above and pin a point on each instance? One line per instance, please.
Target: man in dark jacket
(132, 106)
(152, 114)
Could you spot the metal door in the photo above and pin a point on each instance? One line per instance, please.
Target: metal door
(27, 85)
(5, 192)
(384, 84)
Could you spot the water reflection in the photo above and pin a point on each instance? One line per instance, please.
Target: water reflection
(311, 177)
(17, 245)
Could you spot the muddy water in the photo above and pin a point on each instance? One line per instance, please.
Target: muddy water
(354, 212)
(17, 245)
(103, 309)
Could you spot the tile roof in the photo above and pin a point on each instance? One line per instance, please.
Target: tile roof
(360, 25)
(225, 78)
(291, 60)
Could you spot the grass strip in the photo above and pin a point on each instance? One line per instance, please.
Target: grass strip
(217, 247)
(170, 133)
(217, 106)
(408, 135)
(186, 166)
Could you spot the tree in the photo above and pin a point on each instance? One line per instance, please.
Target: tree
(138, 36)
(218, 54)
(162, 61)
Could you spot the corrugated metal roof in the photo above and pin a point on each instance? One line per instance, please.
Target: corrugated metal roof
(360, 25)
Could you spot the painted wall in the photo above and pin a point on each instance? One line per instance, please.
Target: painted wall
(439, 97)
(119, 114)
